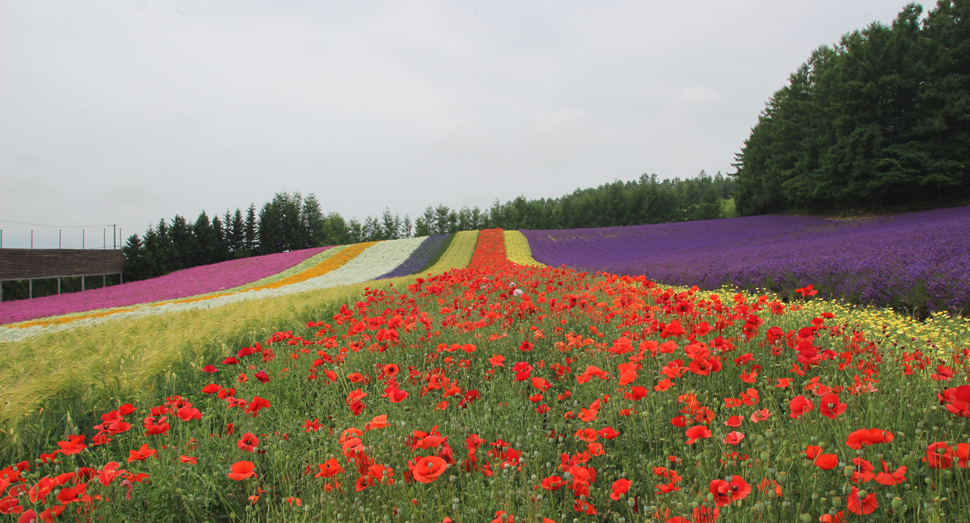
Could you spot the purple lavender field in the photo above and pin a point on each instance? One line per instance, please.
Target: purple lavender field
(419, 258)
(914, 261)
(180, 284)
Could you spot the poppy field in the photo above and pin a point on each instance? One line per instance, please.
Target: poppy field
(502, 392)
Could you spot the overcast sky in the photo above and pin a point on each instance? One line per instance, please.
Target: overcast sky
(125, 112)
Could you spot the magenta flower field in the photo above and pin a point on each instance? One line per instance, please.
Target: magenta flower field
(179, 284)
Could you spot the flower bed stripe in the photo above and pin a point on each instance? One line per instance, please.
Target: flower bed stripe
(180, 284)
(334, 259)
(419, 258)
(458, 255)
(437, 256)
(490, 250)
(917, 260)
(517, 249)
(369, 265)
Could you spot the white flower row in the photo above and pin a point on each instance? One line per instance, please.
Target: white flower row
(375, 261)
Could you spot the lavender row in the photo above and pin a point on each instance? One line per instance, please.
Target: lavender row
(917, 260)
(180, 284)
(419, 258)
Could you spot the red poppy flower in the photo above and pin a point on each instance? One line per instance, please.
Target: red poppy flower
(891, 478)
(697, 432)
(827, 461)
(607, 433)
(72, 446)
(256, 405)
(188, 412)
(584, 507)
(812, 451)
(428, 468)
(734, 421)
(799, 405)
(868, 437)
(553, 483)
(830, 407)
(540, 383)
(866, 505)
(760, 415)
(379, 422)
(733, 438)
(636, 393)
(242, 470)
(191, 460)
(329, 468)
(141, 454)
(939, 455)
(863, 471)
(726, 493)
(620, 486)
(248, 442)
(395, 395)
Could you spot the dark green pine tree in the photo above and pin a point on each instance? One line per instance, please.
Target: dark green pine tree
(183, 244)
(136, 267)
(944, 125)
(221, 249)
(236, 235)
(251, 232)
(311, 219)
(271, 237)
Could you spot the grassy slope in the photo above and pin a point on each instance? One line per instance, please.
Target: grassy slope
(87, 370)
(90, 369)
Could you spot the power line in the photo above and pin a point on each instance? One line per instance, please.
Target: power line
(58, 226)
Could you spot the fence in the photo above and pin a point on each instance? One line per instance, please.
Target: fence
(36, 264)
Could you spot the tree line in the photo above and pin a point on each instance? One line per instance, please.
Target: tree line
(880, 119)
(291, 221)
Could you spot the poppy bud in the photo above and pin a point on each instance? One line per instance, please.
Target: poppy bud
(897, 503)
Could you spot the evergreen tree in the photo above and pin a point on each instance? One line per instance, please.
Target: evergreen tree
(236, 235)
(251, 232)
(135, 259)
(390, 225)
(221, 248)
(271, 235)
(355, 232)
(311, 218)
(203, 245)
(424, 225)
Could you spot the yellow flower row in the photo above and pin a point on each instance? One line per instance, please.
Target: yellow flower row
(517, 249)
(459, 253)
